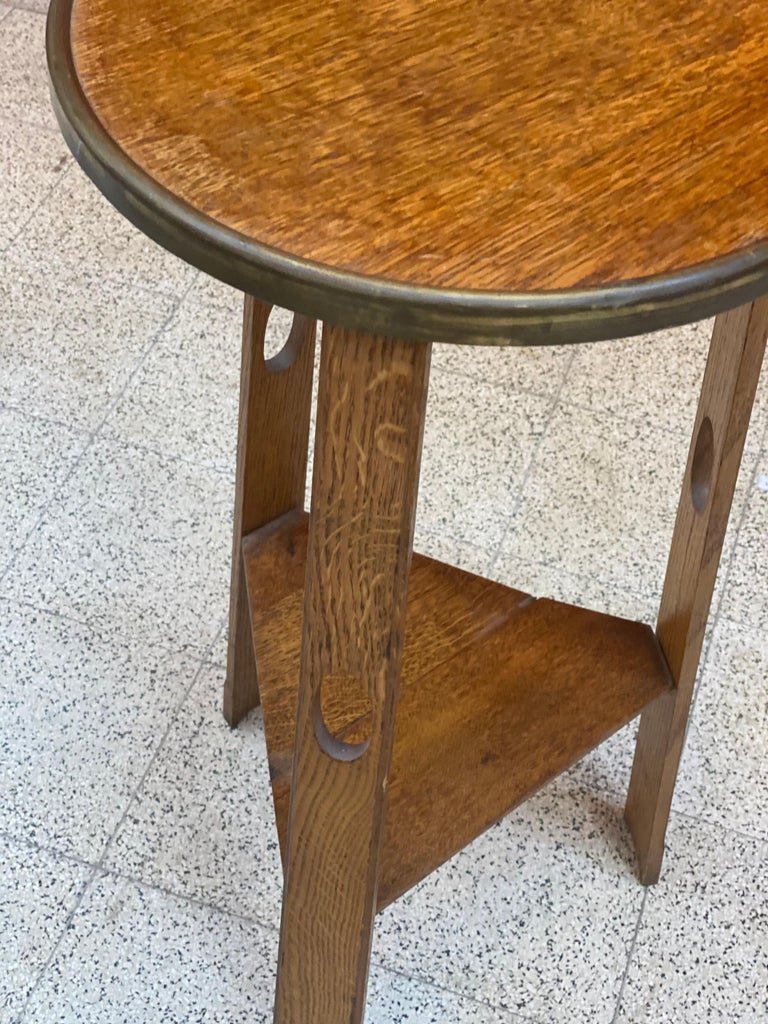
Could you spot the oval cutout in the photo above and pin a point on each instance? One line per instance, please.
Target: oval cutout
(343, 717)
(702, 465)
(284, 335)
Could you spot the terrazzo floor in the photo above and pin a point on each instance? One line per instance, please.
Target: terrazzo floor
(139, 872)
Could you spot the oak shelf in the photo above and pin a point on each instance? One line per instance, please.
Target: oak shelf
(500, 692)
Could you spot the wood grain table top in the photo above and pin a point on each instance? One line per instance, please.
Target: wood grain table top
(491, 170)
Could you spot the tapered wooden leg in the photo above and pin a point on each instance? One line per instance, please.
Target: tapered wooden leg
(273, 435)
(367, 454)
(728, 391)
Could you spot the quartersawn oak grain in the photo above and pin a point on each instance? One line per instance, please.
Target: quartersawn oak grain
(273, 433)
(503, 146)
(499, 693)
(370, 412)
(720, 430)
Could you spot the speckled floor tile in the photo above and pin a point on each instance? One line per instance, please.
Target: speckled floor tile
(23, 76)
(478, 442)
(540, 370)
(394, 999)
(209, 291)
(745, 598)
(544, 579)
(184, 399)
(81, 715)
(654, 378)
(535, 917)
(75, 233)
(135, 954)
(601, 499)
(724, 775)
(202, 824)
(702, 949)
(138, 542)
(35, 457)
(37, 893)
(31, 163)
(67, 350)
(33, 5)
(453, 551)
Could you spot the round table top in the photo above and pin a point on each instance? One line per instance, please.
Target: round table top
(495, 171)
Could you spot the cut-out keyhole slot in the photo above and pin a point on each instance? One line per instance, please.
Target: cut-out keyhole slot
(284, 335)
(702, 466)
(343, 717)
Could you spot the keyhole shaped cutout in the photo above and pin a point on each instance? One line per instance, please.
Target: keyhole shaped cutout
(283, 337)
(702, 465)
(343, 717)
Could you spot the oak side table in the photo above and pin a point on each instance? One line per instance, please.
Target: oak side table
(496, 173)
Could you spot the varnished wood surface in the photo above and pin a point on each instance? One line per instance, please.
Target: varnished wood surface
(499, 693)
(492, 148)
(720, 430)
(273, 434)
(371, 403)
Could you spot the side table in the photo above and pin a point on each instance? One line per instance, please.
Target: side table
(497, 173)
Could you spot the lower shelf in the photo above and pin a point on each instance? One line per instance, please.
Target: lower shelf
(500, 692)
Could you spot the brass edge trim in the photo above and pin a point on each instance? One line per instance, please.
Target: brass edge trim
(377, 305)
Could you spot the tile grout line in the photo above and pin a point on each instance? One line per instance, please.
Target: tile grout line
(37, 417)
(718, 827)
(19, 1018)
(514, 1015)
(94, 432)
(192, 653)
(65, 165)
(50, 851)
(97, 867)
(631, 953)
(555, 399)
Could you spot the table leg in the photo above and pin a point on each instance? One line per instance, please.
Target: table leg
(367, 454)
(728, 391)
(273, 435)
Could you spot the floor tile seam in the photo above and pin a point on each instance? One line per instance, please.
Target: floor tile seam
(78, 278)
(497, 385)
(554, 406)
(151, 345)
(50, 421)
(44, 511)
(631, 420)
(87, 882)
(112, 871)
(66, 166)
(514, 1015)
(45, 848)
(16, 120)
(173, 718)
(630, 955)
(195, 654)
(547, 563)
(716, 826)
(163, 453)
(94, 434)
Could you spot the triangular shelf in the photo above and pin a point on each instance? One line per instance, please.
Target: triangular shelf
(499, 693)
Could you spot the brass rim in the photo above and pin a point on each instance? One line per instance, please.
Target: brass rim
(377, 305)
